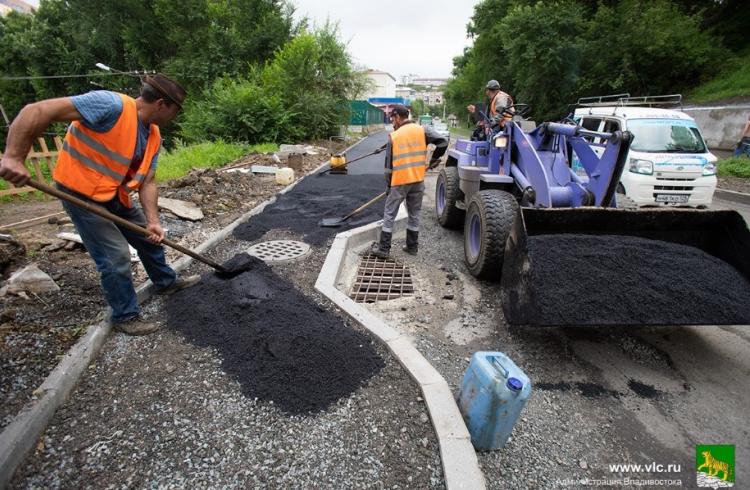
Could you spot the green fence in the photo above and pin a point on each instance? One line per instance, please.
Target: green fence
(364, 113)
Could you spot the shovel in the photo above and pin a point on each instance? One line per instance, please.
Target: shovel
(221, 271)
(334, 222)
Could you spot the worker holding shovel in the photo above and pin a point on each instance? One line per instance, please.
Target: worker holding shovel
(405, 167)
(110, 150)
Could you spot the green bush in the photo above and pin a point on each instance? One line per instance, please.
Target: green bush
(179, 161)
(734, 167)
(301, 94)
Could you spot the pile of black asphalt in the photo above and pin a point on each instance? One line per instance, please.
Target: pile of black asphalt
(626, 280)
(277, 343)
(326, 196)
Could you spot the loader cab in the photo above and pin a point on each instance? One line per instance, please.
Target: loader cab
(668, 163)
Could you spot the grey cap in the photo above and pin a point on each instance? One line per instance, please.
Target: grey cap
(493, 85)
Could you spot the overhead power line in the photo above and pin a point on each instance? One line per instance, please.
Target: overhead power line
(100, 74)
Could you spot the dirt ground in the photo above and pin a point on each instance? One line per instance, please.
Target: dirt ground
(36, 332)
(736, 184)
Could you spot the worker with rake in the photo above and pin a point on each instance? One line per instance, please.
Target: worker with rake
(405, 167)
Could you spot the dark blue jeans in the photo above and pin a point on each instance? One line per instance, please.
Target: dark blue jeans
(107, 243)
(743, 148)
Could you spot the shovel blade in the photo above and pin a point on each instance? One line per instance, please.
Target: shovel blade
(331, 222)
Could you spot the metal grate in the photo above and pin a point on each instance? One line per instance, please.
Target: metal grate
(279, 250)
(381, 279)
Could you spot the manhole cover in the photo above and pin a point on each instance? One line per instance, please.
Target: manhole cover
(279, 250)
(381, 279)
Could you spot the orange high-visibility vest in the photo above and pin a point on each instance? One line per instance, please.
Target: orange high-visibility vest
(96, 164)
(493, 110)
(409, 154)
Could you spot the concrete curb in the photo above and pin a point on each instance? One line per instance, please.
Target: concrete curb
(734, 196)
(20, 436)
(460, 464)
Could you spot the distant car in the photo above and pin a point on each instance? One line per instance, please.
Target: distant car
(442, 129)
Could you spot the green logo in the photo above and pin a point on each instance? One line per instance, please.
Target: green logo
(715, 466)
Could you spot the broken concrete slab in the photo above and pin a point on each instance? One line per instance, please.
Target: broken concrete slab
(263, 169)
(74, 237)
(286, 150)
(31, 279)
(182, 209)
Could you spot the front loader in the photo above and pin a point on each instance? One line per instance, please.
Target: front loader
(518, 184)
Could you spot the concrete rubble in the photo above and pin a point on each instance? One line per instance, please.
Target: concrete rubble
(30, 279)
(182, 209)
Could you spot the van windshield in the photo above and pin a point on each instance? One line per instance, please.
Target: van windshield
(666, 135)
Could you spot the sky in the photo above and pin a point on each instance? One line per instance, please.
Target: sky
(400, 37)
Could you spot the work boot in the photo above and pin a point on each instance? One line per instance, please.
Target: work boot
(412, 237)
(136, 326)
(382, 249)
(180, 283)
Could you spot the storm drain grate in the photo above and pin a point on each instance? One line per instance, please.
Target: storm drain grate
(279, 250)
(381, 279)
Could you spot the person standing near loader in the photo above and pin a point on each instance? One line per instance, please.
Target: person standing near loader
(110, 150)
(405, 167)
(499, 101)
(743, 145)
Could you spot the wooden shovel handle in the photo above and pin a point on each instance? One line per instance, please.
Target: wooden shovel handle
(368, 203)
(98, 210)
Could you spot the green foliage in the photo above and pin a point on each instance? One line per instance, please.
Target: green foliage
(733, 81)
(734, 167)
(194, 41)
(549, 53)
(179, 161)
(300, 94)
(543, 52)
(645, 47)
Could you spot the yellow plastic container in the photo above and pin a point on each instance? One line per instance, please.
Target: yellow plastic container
(284, 176)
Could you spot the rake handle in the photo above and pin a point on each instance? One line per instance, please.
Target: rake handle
(368, 203)
(98, 210)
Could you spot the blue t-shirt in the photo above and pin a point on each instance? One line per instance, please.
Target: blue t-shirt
(100, 110)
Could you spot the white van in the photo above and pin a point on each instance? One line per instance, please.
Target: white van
(668, 162)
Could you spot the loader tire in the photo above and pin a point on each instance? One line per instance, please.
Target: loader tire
(489, 220)
(447, 193)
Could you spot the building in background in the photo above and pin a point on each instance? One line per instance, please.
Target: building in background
(430, 97)
(382, 84)
(6, 6)
(429, 82)
(405, 92)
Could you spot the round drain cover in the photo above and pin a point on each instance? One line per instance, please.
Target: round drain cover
(279, 250)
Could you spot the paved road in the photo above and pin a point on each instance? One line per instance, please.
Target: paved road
(602, 395)
(743, 209)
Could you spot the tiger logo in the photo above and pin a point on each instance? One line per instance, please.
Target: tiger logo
(714, 466)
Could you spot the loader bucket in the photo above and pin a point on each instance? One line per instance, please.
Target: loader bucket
(591, 266)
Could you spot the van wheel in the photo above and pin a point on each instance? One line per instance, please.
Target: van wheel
(624, 202)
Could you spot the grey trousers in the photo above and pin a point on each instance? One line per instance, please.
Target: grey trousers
(412, 194)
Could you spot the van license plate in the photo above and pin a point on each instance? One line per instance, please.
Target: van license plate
(677, 198)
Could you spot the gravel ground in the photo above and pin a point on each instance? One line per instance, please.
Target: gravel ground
(36, 332)
(600, 395)
(168, 407)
